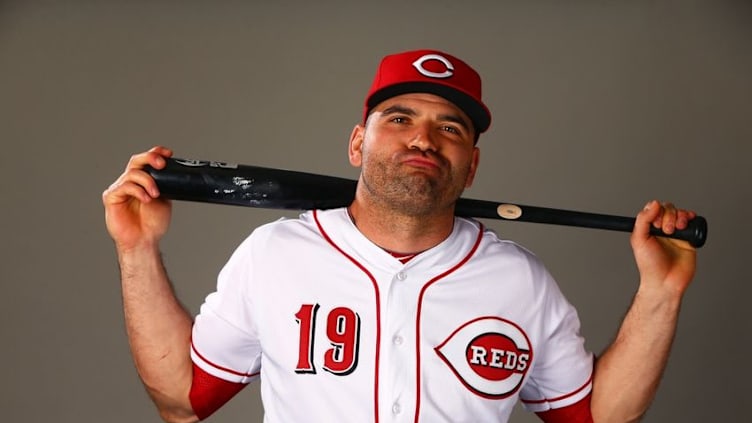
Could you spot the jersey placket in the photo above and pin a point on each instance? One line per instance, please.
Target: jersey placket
(398, 367)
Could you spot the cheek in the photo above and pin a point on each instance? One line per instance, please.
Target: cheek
(466, 164)
(473, 171)
(377, 148)
(370, 156)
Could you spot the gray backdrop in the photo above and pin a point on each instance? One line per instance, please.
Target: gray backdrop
(597, 106)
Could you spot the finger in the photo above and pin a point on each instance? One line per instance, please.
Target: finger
(160, 149)
(668, 218)
(124, 191)
(155, 158)
(134, 183)
(644, 219)
(683, 217)
(143, 179)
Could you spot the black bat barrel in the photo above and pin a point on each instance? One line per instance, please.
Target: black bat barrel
(262, 187)
(250, 186)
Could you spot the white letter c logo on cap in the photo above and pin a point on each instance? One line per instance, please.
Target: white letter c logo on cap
(418, 64)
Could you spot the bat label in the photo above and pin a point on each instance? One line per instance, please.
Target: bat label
(203, 163)
(509, 211)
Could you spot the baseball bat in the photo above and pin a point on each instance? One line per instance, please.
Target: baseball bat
(263, 187)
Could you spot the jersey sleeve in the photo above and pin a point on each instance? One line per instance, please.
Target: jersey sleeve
(224, 340)
(209, 393)
(563, 371)
(578, 412)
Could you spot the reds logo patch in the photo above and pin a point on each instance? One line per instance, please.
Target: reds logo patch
(442, 67)
(489, 355)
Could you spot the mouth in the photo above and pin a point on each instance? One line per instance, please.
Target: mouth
(422, 162)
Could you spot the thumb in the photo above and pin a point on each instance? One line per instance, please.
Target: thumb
(644, 220)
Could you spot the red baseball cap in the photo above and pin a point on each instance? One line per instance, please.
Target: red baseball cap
(433, 72)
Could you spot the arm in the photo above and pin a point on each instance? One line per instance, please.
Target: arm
(158, 327)
(628, 373)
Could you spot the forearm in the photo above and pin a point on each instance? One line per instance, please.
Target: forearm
(159, 331)
(628, 373)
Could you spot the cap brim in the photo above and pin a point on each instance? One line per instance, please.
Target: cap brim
(477, 112)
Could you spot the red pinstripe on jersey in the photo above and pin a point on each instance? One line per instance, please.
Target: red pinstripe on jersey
(218, 367)
(578, 412)
(420, 305)
(378, 312)
(575, 392)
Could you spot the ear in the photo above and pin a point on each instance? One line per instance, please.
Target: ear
(355, 148)
(473, 167)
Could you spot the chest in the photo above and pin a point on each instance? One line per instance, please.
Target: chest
(349, 318)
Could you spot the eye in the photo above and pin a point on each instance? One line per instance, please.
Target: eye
(452, 129)
(398, 119)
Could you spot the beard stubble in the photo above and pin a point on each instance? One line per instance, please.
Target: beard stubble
(410, 191)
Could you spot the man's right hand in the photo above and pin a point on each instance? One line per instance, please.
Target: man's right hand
(158, 326)
(134, 214)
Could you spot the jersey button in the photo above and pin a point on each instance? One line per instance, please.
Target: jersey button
(401, 276)
(397, 340)
(396, 408)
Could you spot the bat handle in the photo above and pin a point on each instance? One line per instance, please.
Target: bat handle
(695, 233)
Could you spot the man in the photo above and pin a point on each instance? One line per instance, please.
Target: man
(392, 309)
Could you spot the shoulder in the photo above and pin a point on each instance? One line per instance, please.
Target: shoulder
(286, 232)
(504, 257)
(494, 246)
(283, 225)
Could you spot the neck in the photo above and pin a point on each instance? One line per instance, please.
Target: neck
(398, 232)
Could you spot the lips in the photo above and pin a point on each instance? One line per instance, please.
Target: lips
(422, 161)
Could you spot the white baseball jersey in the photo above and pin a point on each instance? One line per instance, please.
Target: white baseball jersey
(339, 330)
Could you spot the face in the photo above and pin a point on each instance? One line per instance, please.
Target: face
(416, 152)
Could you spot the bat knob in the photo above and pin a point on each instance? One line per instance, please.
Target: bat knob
(698, 231)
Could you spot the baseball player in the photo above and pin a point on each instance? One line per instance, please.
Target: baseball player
(392, 309)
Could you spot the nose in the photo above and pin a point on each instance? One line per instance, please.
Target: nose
(422, 139)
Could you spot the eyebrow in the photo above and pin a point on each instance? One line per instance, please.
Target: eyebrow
(449, 117)
(399, 109)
